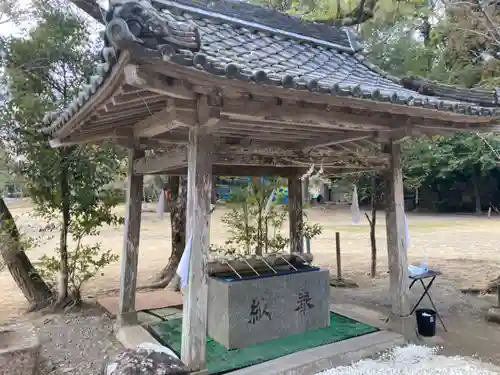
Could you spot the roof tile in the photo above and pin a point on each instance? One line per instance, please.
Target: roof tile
(248, 42)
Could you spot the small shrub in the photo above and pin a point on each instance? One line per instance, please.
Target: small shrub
(254, 225)
(84, 261)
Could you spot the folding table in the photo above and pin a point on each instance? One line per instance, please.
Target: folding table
(427, 275)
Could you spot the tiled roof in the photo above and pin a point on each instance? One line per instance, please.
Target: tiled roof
(250, 43)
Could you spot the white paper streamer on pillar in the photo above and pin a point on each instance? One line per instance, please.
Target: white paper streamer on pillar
(269, 203)
(183, 268)
(160, 206)
(356, 214)
(407, 233)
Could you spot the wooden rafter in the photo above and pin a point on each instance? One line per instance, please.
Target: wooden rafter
(137, 77)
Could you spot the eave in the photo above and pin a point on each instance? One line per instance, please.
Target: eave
(149, 96)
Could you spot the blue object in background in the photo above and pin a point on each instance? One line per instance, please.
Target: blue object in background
(281, 195)
(224, 189)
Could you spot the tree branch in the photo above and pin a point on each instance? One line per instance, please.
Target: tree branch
(368, 217)
(91, 8)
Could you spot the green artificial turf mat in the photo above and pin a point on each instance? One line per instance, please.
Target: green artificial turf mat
(220, 360)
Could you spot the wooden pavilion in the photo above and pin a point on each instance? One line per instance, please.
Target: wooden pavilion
(228, 88)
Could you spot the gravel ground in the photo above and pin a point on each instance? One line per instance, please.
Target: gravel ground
(414, 360)
(469, 334)
(76, 343)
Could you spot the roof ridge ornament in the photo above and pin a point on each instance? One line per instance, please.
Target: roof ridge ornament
(139, 21)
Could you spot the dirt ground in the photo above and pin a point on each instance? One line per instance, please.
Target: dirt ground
(463, 247)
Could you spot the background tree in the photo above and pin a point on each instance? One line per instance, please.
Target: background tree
(44, 70)
(176, 186)
(9, 11)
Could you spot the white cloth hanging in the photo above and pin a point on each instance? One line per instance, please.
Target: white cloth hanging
(183, 268)
(356, 214)
(160, 206)
(269, 203)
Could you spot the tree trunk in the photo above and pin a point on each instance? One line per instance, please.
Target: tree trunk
(477, 190)
(177, 187)
(62, 296)
(175, 284)
(373, 223)
(373, 242)
(35, 290)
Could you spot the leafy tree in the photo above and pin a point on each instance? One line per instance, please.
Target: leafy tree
(44, 70)
(462, 157)
(451, 51)
(9, 11)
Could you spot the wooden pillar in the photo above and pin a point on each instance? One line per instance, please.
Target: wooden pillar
(295, 214)
(305, 191)
(130, 252)
(326, 193)
(194, 318)
(396, 247)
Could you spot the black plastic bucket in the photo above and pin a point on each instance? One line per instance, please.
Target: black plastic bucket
(426, 322)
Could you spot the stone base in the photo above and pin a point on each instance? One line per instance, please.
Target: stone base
(126, 319)
(315, 360)
(19, 350)
(201, 372)
(406, 326)
(132, 336)
(493, 315)
(247, 312)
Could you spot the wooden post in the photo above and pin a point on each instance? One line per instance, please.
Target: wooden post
(400, 319)
(326, 193)
(339, 260)
(295, 214)
(194, 318)
(305, 190)
(130, 252)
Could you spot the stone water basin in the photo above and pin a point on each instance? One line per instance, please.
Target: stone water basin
(250, 309)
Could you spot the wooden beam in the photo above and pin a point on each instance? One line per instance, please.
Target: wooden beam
(330, 117)
(116, 135)
(400, 318)
(272, 92)
(176, 159)
(332, 141)
(396, 136)
(156, 124)
(130, 251)
(57, 143)
(207, 116)
(161, 162)
(104, 91)
(295, 214)
(143, 79)
(168, 119)
(194, 318)
(293, 127)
